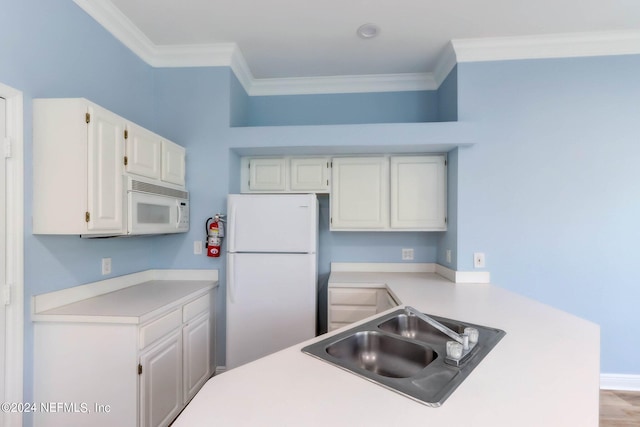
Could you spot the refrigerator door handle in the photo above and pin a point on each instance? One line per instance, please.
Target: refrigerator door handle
(231, 276)
(232, 228)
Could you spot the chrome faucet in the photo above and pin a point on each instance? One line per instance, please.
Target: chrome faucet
(467, 340)
(433, 322)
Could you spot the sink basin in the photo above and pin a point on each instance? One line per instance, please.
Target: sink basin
(382, 354)
(405, 354)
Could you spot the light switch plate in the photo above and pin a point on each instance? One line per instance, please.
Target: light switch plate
(478, 260)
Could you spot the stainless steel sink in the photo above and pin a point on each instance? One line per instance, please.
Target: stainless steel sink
(382, 354)
(405, 354)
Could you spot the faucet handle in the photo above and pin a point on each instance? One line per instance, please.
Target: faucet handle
(472, 333)
(454, 350)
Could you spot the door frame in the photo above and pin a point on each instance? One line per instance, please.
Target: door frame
(14, 334)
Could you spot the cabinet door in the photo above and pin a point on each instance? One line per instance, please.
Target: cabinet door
(359, 193)
(173, 163)
(418, 192)
(267, 174)
(161, 382)
(309, 174)
(196, 343)
(105, 167)
(143, 152)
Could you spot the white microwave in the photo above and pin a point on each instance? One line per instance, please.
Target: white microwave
(156, 209)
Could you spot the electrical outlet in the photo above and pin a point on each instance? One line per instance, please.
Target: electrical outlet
(197, 247)
(448, 255)
(478, 260)
(407, 254)
(106, 266)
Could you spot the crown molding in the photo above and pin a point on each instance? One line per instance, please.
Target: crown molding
(569, 45)
(457, 51)
(446, 62)
(121, 27)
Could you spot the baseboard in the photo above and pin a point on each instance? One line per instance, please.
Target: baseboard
(620, 382)
(220, 370)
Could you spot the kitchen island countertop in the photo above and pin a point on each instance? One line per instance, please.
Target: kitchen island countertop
(544, 372)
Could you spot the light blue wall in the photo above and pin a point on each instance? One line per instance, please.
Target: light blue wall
(343, 108)
(551, 192)
(448, 97)
(53, 49)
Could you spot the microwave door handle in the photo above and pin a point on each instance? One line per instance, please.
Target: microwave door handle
(179, 214)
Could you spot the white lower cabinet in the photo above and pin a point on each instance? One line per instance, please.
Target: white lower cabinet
(348, 305)
(196, 346)
(127, 374)
(160, 386)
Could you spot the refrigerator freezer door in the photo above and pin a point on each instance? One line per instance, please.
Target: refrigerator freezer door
(272, 223)
(271, 304)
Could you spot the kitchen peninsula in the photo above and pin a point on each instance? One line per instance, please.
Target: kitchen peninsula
(544, 372)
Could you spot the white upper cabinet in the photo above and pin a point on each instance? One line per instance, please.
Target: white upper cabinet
(285, 174)
(151, 156)
(418, 196)
(81, 153)
(143, 152)
(173, 163)
(360, 193)
(309, 174)
(267, 174)
(78, 151)
(391, 193)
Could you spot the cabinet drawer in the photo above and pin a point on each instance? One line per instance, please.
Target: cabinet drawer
(353, 297)
(350, 314)
(159, 328)
(195, 308)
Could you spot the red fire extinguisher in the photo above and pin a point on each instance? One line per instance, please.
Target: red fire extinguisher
(215, 233)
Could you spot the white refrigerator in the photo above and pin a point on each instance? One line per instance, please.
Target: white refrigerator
(271, 273)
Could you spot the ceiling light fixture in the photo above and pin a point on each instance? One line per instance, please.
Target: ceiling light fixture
(368, 31)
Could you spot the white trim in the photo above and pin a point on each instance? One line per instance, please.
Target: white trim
(382, 267)
(445, 64)
(463, 276)
(568, 45)
(417, 267)
(66, 296)
(220, 370)
(15, 254)
(121, 27)
(619, 382)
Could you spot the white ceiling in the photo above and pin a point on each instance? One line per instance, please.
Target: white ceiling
(298, 38)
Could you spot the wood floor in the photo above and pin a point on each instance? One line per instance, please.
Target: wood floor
(619, 408)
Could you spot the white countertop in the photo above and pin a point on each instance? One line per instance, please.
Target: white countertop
(544, 372)
(133, 303)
